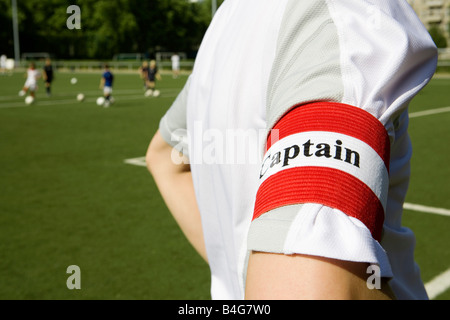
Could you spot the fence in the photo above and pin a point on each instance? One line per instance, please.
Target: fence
(122, 62)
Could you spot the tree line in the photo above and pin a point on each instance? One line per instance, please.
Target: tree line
(108, 27)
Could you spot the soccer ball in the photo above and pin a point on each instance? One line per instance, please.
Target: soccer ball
(29, 100)
(100, 101)
(156, 93)
(73, 81)
(80, 97)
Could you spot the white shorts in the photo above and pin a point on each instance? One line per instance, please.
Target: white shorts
(107, 90)
(31, 85)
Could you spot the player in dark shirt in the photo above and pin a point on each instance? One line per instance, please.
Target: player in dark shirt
(48, 76)
(153, 75)
(143, 70)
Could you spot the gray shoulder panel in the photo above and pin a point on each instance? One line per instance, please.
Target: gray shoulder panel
(307, 65)
(173, 126)
(268, 233)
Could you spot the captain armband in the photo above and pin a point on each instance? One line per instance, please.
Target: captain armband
(331, 154)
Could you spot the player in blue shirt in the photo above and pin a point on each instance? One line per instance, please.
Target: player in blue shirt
(106, 84)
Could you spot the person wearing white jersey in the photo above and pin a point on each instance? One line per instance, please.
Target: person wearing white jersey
(175, 58)
(3, 60)
(286, 158)
(31, 83)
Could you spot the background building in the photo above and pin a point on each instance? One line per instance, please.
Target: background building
(434, 14)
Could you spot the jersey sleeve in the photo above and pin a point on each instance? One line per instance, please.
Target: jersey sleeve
(173, 126)
(343, 77)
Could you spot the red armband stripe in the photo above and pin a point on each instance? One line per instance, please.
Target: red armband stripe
(325, 186)
(335, 117)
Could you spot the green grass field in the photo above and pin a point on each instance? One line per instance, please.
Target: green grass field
(67, 197)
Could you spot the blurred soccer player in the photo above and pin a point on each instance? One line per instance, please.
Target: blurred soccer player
(153, 75)
(175, 65)
(3, 60)
(106, 84)
(31, 86)
(320, 213)
(143, 72)
(48, 76)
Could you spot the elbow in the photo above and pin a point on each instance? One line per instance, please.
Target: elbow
(160, 159)
(158, 154)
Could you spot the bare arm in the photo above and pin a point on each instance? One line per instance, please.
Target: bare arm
(275, 276)
(175, 184)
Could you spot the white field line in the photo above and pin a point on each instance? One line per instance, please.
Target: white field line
(441, 283)
(140, 162)
(71, 101)
(65, 94)
(421, 208)
(122, 98)
(438, 285)
(428, 112)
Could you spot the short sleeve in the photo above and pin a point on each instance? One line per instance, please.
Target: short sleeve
(173, 126)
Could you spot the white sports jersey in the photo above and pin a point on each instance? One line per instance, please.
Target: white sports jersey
(175, 62)
(32, 75)
(352, 67)
(3, 60)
